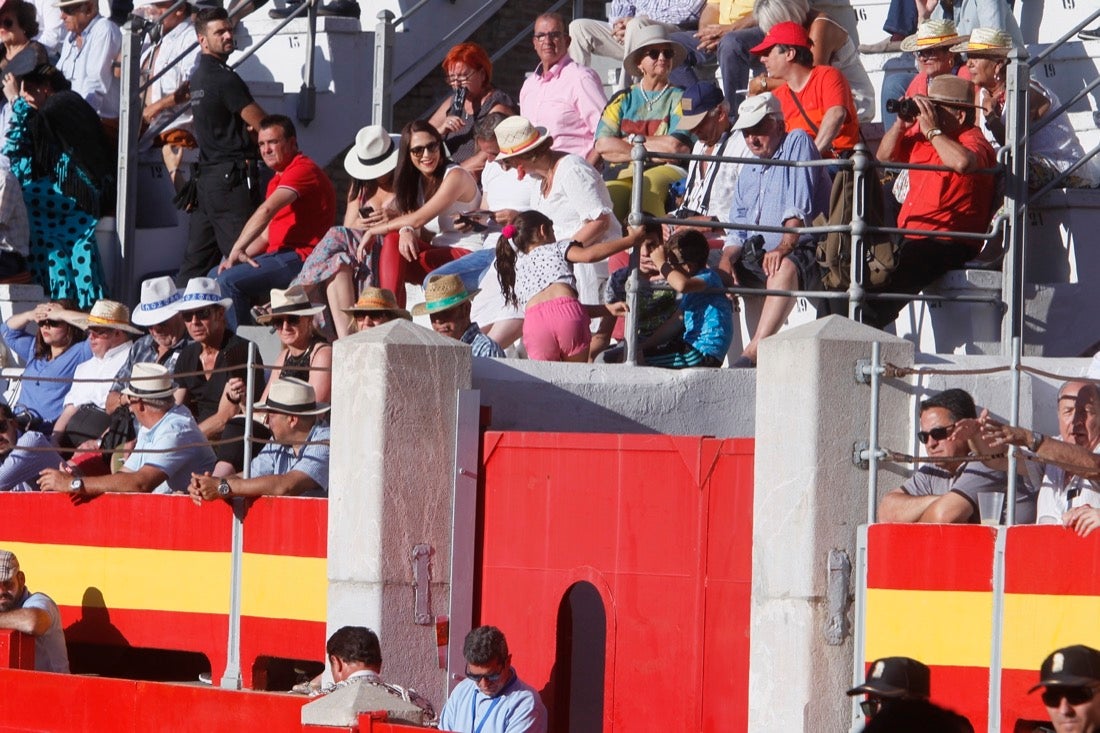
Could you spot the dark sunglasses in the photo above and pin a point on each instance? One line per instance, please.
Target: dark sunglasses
(7, 22)
(655, 53)
(49, 323)
(488, 676)
(420, 150)
(278, 322)
(937, 433)
(871, 707)
(201, 314)
(550, 36)
(1052, 696)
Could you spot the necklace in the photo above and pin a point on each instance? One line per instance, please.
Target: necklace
(649, 101)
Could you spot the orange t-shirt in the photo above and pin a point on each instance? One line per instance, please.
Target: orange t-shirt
(826, 88)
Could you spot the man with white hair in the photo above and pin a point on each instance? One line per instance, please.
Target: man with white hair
(32, 613)
(88, 54)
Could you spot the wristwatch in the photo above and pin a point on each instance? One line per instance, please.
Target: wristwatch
(223, 488)
(1037, 439)
(933, 134)
(77, 484)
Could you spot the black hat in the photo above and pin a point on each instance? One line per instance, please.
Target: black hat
(896, 677)
(1071, 666)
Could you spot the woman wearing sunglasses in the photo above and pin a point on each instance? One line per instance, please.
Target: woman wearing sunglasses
(53, 351)
(651, 107)
(305, 353)
(430, 192)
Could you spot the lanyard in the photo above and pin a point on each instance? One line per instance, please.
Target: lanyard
(473, 711)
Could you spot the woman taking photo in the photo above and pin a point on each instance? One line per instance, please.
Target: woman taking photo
(470, 73)
(430, 192)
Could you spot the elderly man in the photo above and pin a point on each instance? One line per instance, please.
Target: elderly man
(32, 613)
(561, 95)
(447, 304)
(817, 99)
(166, 338)
(957, 200)
(771, 195)
(88, 55)
(375, 307)
(891, 679)
(176, 447)
(84, 416)
(294, 463)
(947, 491)
(1070, 678)
(492, 698)
(299, 208)
(1068, 489)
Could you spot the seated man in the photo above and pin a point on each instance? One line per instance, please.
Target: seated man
(1069, 496)
(947, 491)
(817, 99)
(375, 307)
(176, 447)
(728, 29)
(958, 200)
(294, 463)
(299, 208)
(32, 613)
(775, 196)
(88, 54)
(891, 679)
(447, 304)
(492, 694)
(23, 455)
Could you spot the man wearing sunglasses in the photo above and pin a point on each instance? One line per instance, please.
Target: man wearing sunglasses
(492, 699)
(946, 490)
(890, 679)
(1070, 678)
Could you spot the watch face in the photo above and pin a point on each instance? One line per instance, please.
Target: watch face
(223, 488)
(76, 484)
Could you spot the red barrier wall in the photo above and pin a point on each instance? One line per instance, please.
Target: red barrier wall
(661, 527)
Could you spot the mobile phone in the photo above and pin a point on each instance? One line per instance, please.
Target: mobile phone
(365, 211)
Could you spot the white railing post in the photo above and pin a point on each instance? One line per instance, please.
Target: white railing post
(381, 92)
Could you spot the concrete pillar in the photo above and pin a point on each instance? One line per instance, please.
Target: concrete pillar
(808, 500)
(393, 444)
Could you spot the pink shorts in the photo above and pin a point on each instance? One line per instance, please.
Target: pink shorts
(556, 329)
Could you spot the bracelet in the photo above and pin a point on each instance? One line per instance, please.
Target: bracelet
(407, 228)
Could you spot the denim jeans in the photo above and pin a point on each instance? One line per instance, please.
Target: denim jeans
(469, 267)
(243, 282)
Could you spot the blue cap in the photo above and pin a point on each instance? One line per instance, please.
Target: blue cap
(699, 98)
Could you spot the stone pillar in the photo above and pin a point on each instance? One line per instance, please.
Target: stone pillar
(394, 402)
(808, 500)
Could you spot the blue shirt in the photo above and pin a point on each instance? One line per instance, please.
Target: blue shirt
(708, 317)
(801, 193)
(50, 654)
(517, 709)
(20, 469)
(179, 431)
(47, 399)
(312, 460)
(480, 344)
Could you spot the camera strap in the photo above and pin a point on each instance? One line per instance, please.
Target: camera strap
(703, 204)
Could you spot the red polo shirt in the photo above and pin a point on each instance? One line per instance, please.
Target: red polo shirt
(301, 225)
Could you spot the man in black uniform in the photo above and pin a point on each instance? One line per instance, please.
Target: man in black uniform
(227, 189)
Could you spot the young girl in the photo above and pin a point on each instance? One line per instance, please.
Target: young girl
(536, 272)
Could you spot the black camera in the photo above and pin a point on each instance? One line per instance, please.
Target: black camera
(752, 251)
(458, 104)
(904, 108)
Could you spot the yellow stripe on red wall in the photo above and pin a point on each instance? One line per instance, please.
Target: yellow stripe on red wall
(948, 628)
(1036, 625)
(278, 586)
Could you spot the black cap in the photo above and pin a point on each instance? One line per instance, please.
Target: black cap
(896, 677)
(1071, 666)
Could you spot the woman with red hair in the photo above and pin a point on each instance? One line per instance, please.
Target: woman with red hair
(470, 73)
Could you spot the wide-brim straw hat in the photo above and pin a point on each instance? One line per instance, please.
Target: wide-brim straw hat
(985, 42)
(63, 3)
(516, 136)
(373, 155)
(290, 302)
(378, 300)
(643, 38)
(158, 301)
(201, 292)
(932, 34)
(292, 397)
(104, 314)
(149, 381)
(443, 292)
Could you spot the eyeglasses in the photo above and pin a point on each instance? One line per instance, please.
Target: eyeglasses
(549, 36)
(4, 422)
(278, 322)
(940, 433)
(454, 79)
(200, 314)
(1052, 696)
(49, 323)
(489, 677)
(871, 707)
(929, 53)
(422, 150)
(99, 331)
(655, 53)
(7, 22)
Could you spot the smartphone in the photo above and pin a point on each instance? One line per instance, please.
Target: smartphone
(365, 211)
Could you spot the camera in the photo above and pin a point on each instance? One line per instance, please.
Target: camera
(752, 251)
(904, 108)
(458, 104)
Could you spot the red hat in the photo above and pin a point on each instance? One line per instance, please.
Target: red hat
(787, 34)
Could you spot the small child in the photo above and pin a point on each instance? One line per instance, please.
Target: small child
(536, 273)
(708, 317)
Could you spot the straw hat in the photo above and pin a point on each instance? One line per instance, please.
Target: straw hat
(516, 136)
(158, 301)
(104, 314)
(643, 38)
(149, 381)
(292, 397)
(372, 300)
(373, 155)
(932, 34)
(201, 292)
(986, 42)
(290, 302)
(443, 292)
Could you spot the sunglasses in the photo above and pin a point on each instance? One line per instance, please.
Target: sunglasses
(99, 331)
(7, 22)
(551, 36)
(421, 150)
(51, 323)
(1052, 696)
(929, 53)
(656, 53)
(488, 676)
(937, 433)
(278, 322)
(201, 314)
(871, 707)
(4, 423)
